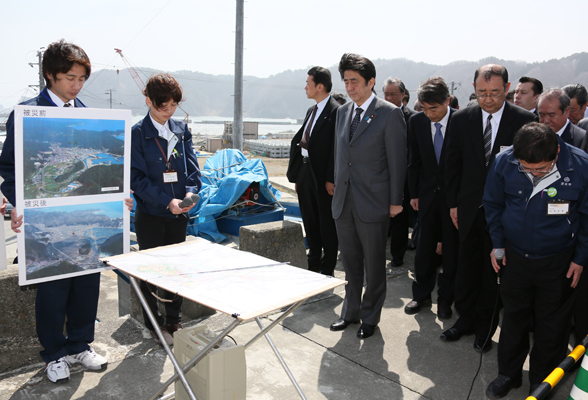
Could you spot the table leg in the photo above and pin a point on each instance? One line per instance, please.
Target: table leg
(275, 349)
(162, 339)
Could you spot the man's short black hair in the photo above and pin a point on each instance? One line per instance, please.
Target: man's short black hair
(535, 143)
(354, 62)
(321, 75)
(339, 97)
(453, 102)
(490, 70)
(537, 85)
(433, 91)
(577, 92)
(60, 57)
(510, 95)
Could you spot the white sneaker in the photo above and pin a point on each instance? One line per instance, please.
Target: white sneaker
(89, 359)
(58, 371)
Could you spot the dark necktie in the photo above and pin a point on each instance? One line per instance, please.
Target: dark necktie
(306, 137)
(355, 122)
(67, 105)
(488, 140)
(438, 141)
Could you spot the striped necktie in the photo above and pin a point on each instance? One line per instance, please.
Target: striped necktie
(488, 139)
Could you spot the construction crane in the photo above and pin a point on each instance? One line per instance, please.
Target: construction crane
(132, 71)
(140, 82)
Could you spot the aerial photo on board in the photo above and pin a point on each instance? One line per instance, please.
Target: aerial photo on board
(72, 157)
(68, 239)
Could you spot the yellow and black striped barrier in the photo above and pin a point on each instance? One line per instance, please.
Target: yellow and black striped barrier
(549, 383)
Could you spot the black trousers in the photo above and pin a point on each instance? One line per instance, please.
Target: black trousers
(436, 227)
(476, 289)
(581, 308)
(317, 217)
(72, 299)
(154, 231)
(535, 289)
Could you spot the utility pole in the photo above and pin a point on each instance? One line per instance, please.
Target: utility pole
(109, 91)
(41, 84)
(453, 86)
(238, 112)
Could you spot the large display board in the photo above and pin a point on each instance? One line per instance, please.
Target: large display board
(234, 282)
(72, 175)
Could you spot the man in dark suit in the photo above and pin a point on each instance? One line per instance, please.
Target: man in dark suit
(527, 92)
(370, 170)
(554, 110)
(426, 137)
(578, 101)
(311, 168)
(69, 301)
(395, 92)
(478, 133)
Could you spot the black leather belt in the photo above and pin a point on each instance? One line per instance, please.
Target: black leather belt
(305, 160)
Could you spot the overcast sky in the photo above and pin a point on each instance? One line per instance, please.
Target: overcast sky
(197, 35)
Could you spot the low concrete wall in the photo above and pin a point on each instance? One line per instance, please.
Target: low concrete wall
(128, 301)
(18, 337)
(280, 241)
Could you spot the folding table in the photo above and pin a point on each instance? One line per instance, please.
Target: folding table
(241, 284)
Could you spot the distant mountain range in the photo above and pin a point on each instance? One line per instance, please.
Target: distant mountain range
(282, 95)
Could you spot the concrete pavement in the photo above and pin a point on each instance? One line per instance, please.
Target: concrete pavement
(405, 359)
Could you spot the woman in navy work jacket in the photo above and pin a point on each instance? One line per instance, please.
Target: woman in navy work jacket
(164, 170)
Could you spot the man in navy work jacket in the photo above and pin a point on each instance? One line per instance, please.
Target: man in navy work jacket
(536, 206)
(66, 67)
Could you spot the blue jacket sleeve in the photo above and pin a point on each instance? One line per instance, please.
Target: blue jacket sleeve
(7, 162)
(494, 203)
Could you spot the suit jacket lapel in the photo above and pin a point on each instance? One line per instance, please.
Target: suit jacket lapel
(369, 115)
(504, 131)
(444, 148)
(346, 120)
(477, 135)
(320, 119)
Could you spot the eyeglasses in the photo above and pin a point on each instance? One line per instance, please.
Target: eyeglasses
(491, 95)
(536, 170)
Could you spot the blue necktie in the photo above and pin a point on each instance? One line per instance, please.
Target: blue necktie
(438, 141)
(355, 122)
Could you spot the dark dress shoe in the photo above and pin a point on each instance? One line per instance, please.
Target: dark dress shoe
(479, 344)
(501, 386)
(397, 263)
(453, 334)
(366, 330)
(341, 324)
(444, 311)
(414, 307)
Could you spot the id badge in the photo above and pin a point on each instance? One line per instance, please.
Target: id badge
(558, 207)
(170, 176)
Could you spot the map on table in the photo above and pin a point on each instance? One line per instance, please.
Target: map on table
(235, 282)
(73, 165)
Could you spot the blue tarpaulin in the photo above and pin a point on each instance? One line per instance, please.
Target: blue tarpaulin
(225, 176)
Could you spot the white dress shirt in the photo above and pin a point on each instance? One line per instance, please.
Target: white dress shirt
(495, 121)
(167, 134)
(443, 123)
